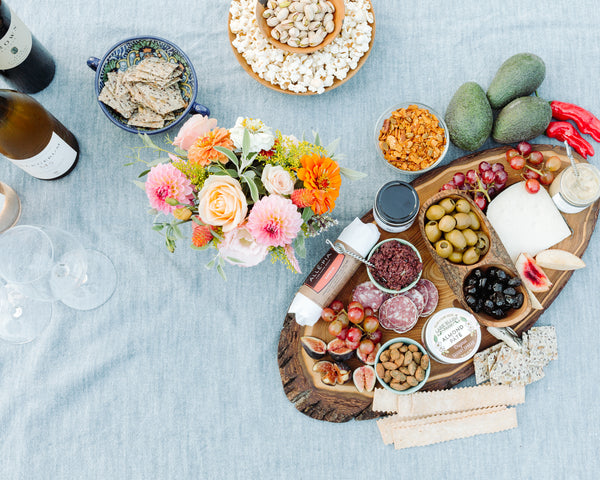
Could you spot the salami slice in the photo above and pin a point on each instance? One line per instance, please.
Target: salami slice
(368, 295)
(416, 298)
(399, 313)
(422, 289)
(432, 299)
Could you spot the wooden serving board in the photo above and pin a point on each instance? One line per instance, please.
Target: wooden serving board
(337, 82)
(343, 402)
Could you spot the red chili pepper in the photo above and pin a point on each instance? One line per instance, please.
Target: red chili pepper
(585, 121)
(564, 131)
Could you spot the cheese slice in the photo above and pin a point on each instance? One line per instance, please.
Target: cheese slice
(526, 222)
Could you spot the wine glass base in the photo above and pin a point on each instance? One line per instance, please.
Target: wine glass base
(98, 286)
(22, 319)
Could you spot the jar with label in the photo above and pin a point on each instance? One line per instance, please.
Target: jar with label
(573, 191)
(451, 336)
(396, 206)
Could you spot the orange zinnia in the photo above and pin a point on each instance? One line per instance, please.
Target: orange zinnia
(321, 175)
(202, 152)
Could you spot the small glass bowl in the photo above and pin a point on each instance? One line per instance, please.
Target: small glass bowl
(388, 114)
(407, 341)
(381, 287)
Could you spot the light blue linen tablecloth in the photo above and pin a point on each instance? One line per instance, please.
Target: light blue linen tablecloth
(176, 377)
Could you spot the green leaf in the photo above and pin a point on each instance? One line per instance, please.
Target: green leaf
(216, 235)
(307, 214)
(317, 141)
(352, 174)
(145, 172)
(246, 143)
(177, 231)
(250, 174)
(211, 264)
(142, 185)
(230, 155)
(158, 227)
(332, 147)
(300, 246)
(234, 260)
(195, 219)
(253, 189)
(221, 270)
(231, 172)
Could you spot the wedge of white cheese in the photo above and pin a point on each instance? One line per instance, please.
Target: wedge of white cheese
(526, 222)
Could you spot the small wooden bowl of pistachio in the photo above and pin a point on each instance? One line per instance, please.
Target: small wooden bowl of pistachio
(300, 26)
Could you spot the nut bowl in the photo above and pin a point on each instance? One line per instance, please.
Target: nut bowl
(380, 144)
(456, 274)
(385, 289)
(131, 51)
(270, 32)
(379, 365)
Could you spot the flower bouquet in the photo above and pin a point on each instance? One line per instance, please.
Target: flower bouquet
(246, 191)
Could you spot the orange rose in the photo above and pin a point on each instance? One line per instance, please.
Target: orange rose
(222, 203)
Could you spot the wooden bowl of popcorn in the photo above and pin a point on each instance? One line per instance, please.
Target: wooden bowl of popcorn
(300, 26)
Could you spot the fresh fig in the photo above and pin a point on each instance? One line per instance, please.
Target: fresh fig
(532, 275)
(343, 372)
(368, 359)
(364, 378)
(314, 347)
(332, 373)
(339, 351)
(328, 372)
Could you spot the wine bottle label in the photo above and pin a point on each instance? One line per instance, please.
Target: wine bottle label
(51, 162)
(15, 45)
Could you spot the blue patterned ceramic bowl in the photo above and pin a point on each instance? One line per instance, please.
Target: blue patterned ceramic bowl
(130, 52)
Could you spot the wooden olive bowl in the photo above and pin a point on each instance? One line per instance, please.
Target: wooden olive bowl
(338, 20)
(455, 274)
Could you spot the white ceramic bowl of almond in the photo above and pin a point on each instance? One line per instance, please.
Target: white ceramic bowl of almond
(300, 26)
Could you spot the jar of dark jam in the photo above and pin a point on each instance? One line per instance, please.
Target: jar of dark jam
(396, 206)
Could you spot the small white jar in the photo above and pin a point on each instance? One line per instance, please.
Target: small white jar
(451, 336)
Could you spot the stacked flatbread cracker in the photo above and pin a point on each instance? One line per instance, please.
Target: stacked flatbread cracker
(425, 418)
(146, 94)
(503, 365)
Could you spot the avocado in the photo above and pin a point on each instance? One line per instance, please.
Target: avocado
(522, 119)
(518, 76)
(469, 117)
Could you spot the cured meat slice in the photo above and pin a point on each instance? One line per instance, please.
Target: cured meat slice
(399, 313)
(433, 296)
(422, 289)
(416, 298)
(368, 295)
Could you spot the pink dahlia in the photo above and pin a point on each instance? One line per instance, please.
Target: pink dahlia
(274, 221)
(165, 181)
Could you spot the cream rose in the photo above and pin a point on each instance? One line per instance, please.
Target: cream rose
(222, 203)
(277, 180)
(238, 247)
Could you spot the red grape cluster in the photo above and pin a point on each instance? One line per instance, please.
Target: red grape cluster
(523, 157)
(482, 185)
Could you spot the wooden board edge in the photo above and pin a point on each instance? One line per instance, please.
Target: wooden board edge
(304, 396)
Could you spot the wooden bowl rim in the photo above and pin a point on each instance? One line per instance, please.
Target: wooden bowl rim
(484, 263)
(338, 21)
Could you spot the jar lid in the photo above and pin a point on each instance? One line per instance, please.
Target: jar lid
(397, 203)
(452, 335)
(583, 191)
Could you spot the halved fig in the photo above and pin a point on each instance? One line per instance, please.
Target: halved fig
(532, 275)
(369, 358)
(343, 372)
(314, 347)
(339, 351)
(328, 371)
(364, 378)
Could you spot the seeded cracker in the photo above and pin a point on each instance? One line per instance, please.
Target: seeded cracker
(511, 368)
(147, 94)
(481, 362)
(542, 345)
